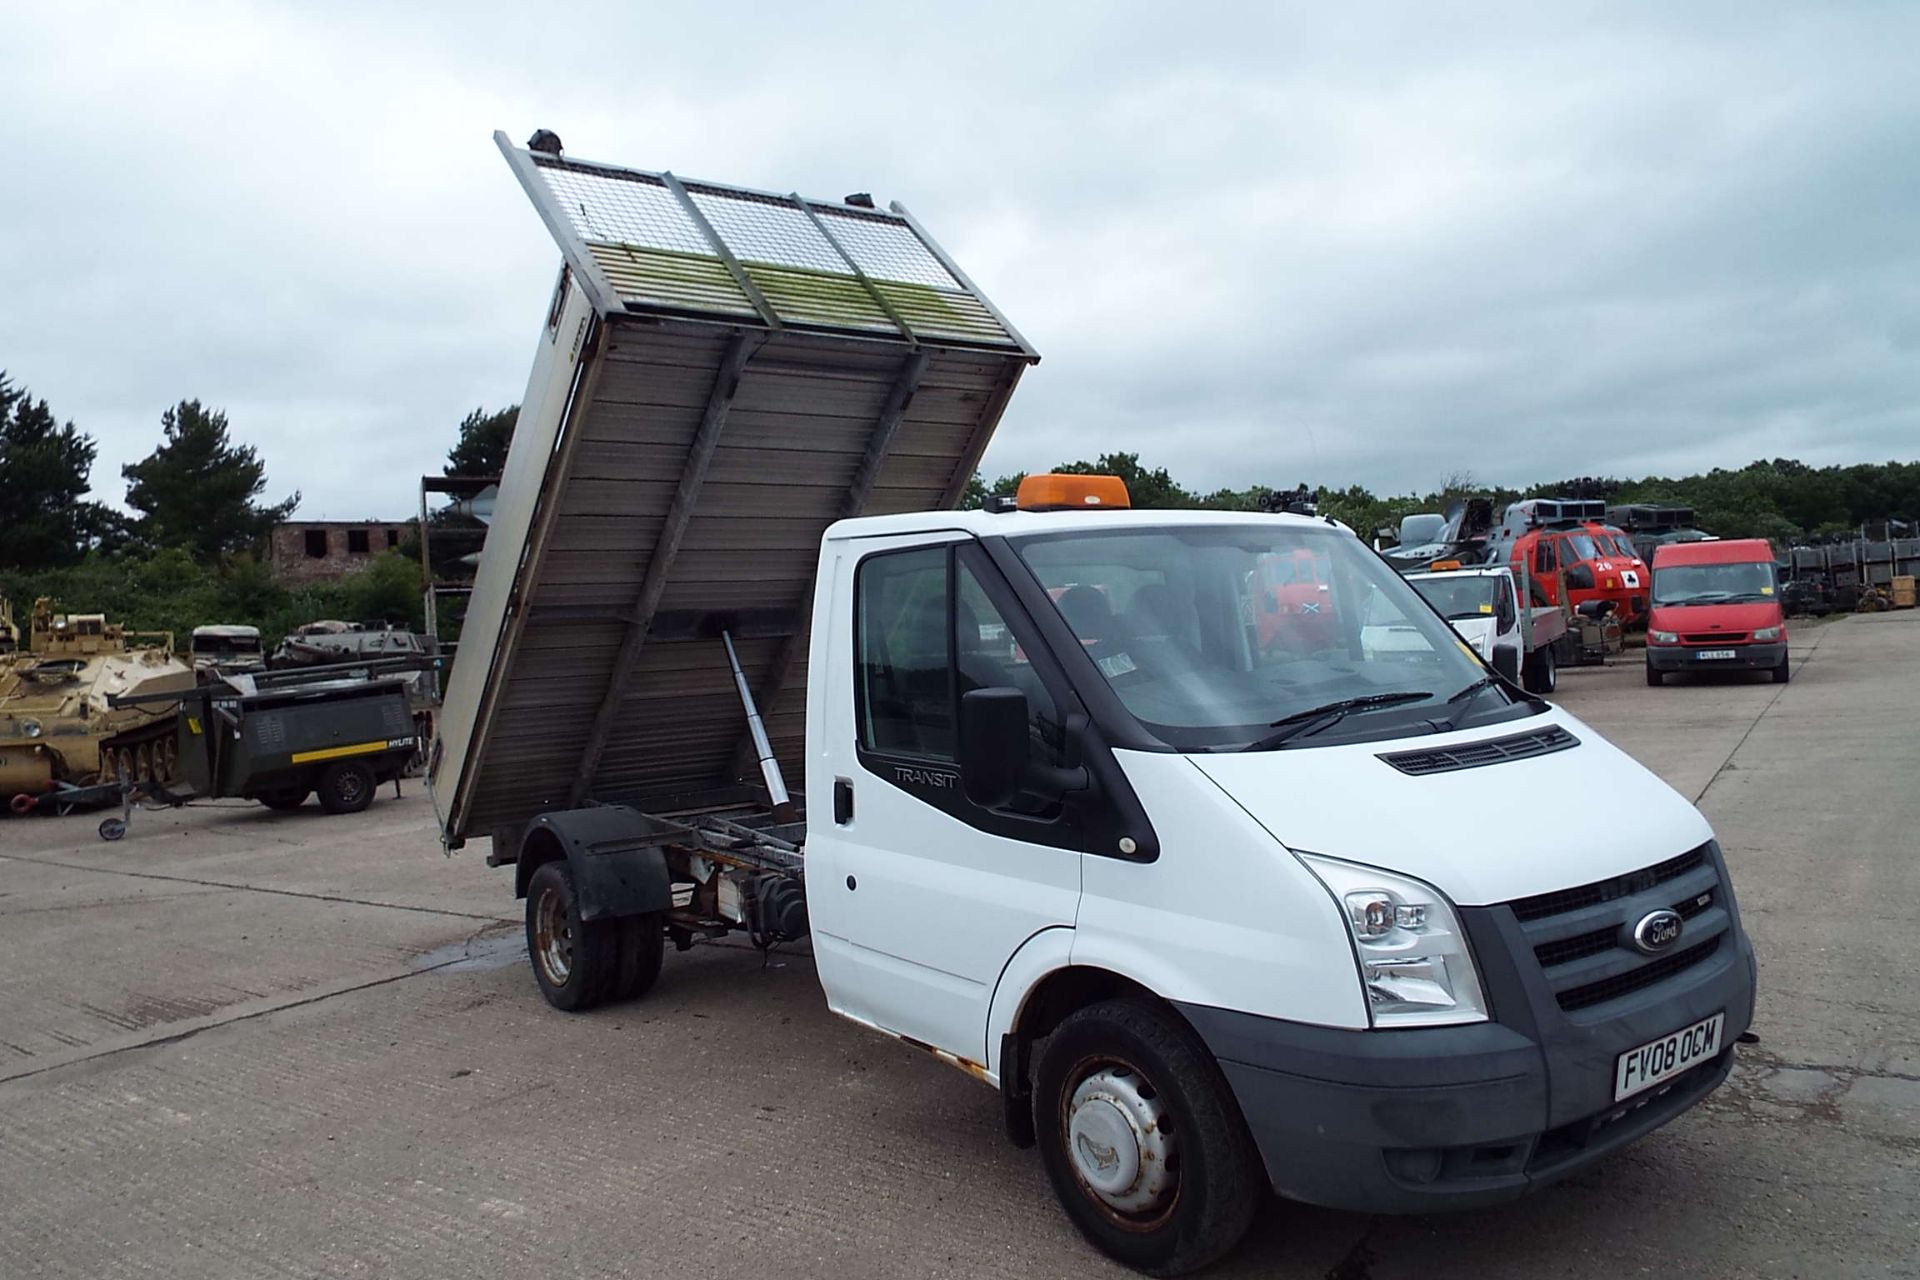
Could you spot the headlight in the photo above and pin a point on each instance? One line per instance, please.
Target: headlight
(1414, 962)
(30, 728)
(1664, 637)
(1767, 633)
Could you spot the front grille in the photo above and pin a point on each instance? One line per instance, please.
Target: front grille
(1716, 637)
(1590, 895)
(1639, 979)
(1582, 937)
(1595, 941)
(1474, 755)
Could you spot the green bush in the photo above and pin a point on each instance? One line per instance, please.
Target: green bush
(169, 591)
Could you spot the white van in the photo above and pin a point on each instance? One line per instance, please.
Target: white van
(1233, 915)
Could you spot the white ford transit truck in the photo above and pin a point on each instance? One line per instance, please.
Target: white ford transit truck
(1220, 897)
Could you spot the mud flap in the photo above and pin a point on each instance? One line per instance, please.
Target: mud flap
(616, 856)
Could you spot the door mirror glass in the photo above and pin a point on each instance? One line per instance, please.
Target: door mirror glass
(993, 745)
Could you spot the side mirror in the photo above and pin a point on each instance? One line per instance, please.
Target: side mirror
(1580, 577)
(1506, 660)
(993, 745)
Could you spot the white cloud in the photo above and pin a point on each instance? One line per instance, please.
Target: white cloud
(1270, 244)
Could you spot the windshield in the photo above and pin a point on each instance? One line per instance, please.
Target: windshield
(1582, 547)
(225, 646)
(1210, 635)
(1713, 583)
(1455, 598)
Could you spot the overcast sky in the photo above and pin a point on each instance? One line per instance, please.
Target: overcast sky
(1525, 241)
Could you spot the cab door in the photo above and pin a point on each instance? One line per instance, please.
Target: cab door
(918, 897)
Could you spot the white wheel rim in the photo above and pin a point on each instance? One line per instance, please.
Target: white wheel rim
(1119, 1144)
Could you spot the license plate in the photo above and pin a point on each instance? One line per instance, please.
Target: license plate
(1704, 654)
(1657, 1060)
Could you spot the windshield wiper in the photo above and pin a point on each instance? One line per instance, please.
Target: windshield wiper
(1466, 696)
(1471, 689)
(1314, 719)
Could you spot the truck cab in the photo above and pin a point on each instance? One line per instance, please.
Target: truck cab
(1526, 643)
(1276, 847)
(1716, 607)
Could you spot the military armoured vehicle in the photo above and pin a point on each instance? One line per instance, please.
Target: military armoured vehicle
(56, 727)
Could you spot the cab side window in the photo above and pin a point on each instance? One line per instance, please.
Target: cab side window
(904, 684)
(1544, 561)
(927, 632)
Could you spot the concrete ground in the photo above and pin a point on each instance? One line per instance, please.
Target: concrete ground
(247, 1044)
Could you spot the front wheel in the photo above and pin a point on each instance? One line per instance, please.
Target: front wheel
(1655, 678)
(1142, 1139)
(1543, 673)
(1783, 672)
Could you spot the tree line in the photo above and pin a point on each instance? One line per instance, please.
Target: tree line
(191, 548)
(1782, 499)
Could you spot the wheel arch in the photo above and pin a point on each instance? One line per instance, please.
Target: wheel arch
(613, 852)
(538, 847)
(1039, 988)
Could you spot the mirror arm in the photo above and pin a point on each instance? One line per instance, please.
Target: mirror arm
(1052, 780)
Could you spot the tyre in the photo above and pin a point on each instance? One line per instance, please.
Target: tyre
(1655, 677)
(285, 798)
(643, 946)
(1541, 673)
(1143, 1140)
(346, 787)
(1783, 672)
(578, 965)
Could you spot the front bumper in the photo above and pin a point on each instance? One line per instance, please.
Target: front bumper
(1414, 1121)
(1747, 657)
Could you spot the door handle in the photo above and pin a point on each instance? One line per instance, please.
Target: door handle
(842, 801)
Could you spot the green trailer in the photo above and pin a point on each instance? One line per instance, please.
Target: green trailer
(279, 738)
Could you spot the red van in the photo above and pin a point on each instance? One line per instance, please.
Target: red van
(1716, 606)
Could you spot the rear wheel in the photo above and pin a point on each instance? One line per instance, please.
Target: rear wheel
(577, 964)
(346, 787)
(643, 947)
(1142, 1139)
(1654, 677)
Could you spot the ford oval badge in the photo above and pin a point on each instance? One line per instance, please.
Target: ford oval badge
(1657, 931)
